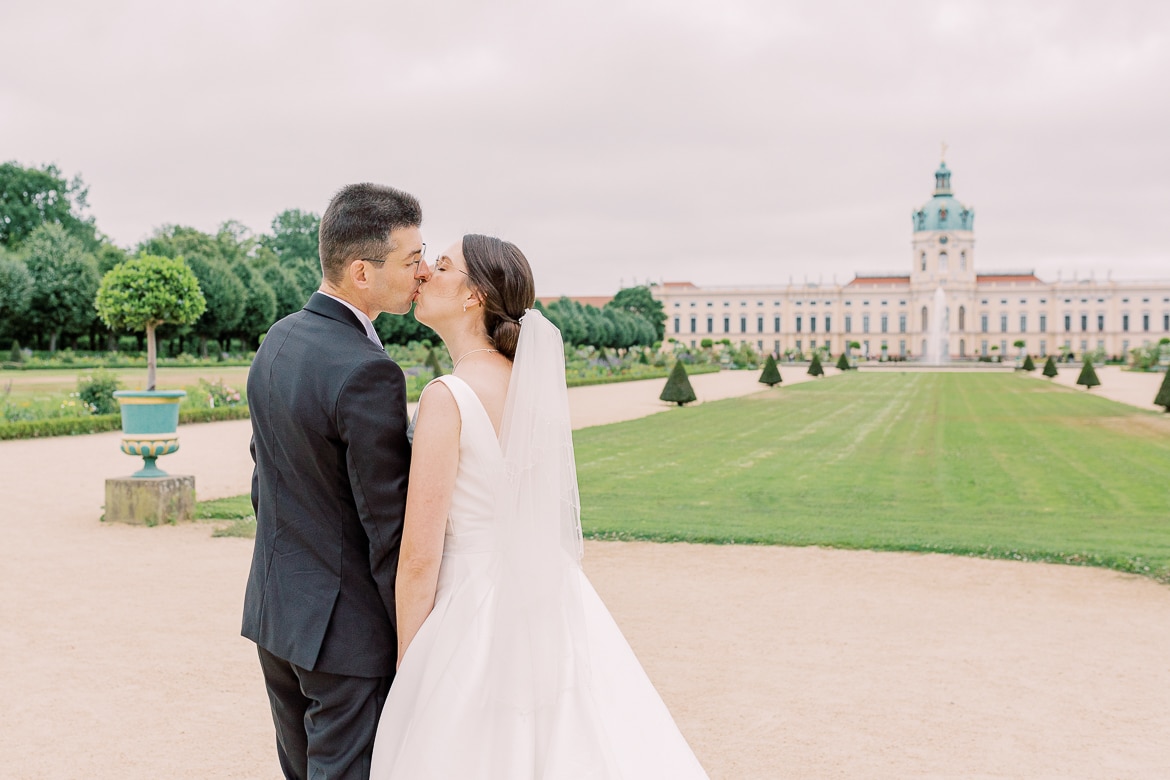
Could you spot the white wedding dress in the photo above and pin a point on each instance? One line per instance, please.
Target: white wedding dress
(519, 672)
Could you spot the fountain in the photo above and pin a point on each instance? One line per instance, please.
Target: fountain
(936, 346)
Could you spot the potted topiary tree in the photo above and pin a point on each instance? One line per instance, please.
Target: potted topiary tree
(678, 388)
(1088, 376)
(771, 375)
(814, 368)
(139, 295)
(1019, 344)
(1050, 367)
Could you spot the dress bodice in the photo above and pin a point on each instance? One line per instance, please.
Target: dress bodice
(470, 521)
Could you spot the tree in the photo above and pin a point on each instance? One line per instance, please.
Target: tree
(65, 278)
(1029, 365)
(15, 288)
(1050, 367)
(1163, 397)
(640, 301)
(1088, 376)
(843, 362)
(295, 237)
(814, 368)
(259, 304)
(31, 197)
(771, 375)
(145, 292)
(678, 388)
(15, 355)
(225, 297)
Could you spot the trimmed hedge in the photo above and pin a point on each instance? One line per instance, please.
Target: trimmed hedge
(609, 380)
(101, 423)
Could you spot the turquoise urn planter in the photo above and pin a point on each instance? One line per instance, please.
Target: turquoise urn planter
(150, 425)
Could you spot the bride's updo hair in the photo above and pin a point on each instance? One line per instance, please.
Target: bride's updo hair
(500, 273)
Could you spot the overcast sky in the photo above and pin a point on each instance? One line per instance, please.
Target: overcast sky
(721, 142)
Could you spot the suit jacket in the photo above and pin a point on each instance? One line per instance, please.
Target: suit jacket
(329, 489)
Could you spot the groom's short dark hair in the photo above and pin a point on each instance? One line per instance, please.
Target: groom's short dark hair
(358, 223)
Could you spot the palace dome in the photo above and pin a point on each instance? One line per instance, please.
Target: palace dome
(943, 211)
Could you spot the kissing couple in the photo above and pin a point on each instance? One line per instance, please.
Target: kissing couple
(416, 592)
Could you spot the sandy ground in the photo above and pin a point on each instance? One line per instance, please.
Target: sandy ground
(1129, 387)
(121, 654)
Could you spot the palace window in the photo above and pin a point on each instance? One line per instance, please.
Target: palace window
(812, 324)
(923, 268)
(743, 324)
(1125, 322)
(1166, 322)
(962, 318)
(710, 324)
(1067, 323)
(1003, 323)
(924, 319)
(865, 323)
(849, 323)
(1145, 322)
(901, 323)
(760, 326)
(1084, 322)
(1043, 348)
(885, 323)
(962, 261)
(727, 324)
(983, 323)
(1101, 322)
(692, 324)
(676, 323)
(799, 322)
(1043, 324)
(942, 262)
(1023, 323)
(827, 321)
(776, 324)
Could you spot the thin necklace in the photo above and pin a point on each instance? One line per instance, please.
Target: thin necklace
(472, 352)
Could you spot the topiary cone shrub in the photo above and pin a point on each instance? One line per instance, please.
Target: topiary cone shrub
(678, 388)
(1049, 367)
(771, 375)
(1163, 397)
(432, 362)
(843, 362)
(814, 368)
(14, 354)
(1028, 364)
(1088, 376)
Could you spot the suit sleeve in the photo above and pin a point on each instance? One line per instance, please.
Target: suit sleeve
(372, 422)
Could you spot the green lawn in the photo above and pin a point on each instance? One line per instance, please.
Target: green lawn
(975, 464)
(997, 465)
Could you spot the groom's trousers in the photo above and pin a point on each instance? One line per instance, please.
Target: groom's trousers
(325, 723)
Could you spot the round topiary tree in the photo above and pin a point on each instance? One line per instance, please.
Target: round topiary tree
(814, 368)
(771, 375)
(1088, 376)
(678, 388)
(843, 362)
(145, 292)
(1050, 367)
(1163, 397)
(1029, 365)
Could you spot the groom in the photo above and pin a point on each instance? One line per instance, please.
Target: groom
(329, 442)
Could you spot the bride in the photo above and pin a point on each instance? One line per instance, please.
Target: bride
(509, 665)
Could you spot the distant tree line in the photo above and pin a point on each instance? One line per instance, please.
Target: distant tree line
(52, 258)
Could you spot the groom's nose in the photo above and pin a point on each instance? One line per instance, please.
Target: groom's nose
(422, 271)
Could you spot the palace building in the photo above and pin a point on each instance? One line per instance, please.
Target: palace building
(942, 308)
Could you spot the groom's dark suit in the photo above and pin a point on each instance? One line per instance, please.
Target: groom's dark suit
(329, 488)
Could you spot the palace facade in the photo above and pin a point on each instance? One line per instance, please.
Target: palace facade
(979, 314)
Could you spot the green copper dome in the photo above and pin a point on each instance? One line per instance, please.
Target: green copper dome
(943, 212)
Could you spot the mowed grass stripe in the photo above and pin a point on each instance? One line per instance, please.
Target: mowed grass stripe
(984, 464)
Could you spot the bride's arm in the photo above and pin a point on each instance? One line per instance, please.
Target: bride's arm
(434, 462)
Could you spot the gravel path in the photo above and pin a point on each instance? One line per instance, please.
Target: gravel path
(122, 655)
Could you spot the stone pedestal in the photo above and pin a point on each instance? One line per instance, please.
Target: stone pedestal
(150, 500)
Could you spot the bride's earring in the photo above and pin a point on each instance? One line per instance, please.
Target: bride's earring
(465, 307)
